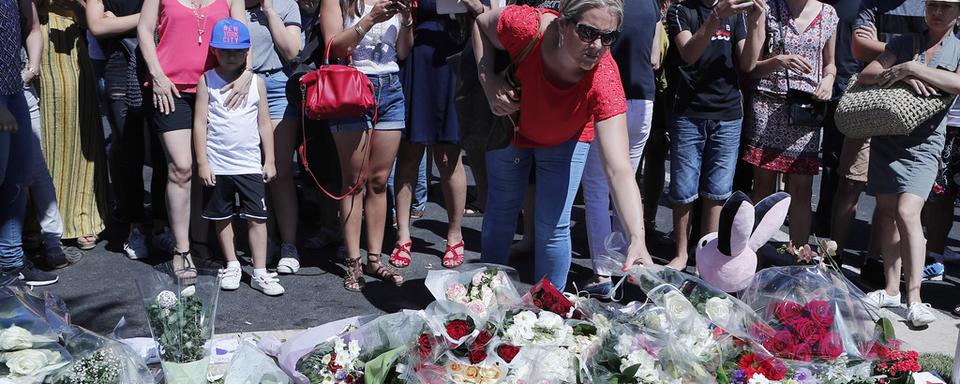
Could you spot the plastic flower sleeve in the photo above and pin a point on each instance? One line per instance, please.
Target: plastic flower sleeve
(250, 366)
(290, 352)
(715, 305)
(810, 314)
(29, 349)
(181, 312)
(98, 359)
(383, 341)
(482, 290)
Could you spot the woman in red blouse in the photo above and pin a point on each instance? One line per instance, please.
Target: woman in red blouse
(571, 90)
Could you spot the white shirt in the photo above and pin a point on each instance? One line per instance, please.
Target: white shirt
(376, 54)
(233, 136)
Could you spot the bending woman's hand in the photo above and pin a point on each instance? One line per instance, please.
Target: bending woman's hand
(238, 90)
(163, 94)
(637, 254)
(503, 99)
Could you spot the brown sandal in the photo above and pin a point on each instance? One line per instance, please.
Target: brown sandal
(353, 280)
(86, 243)
(376, 269)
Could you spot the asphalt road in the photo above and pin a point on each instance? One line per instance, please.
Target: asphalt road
(101, 289)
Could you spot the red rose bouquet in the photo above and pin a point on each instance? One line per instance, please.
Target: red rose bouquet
(801, 332)
(545, 296)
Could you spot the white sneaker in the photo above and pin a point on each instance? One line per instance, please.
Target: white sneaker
(164, 241)
(880, 299)
(136, 245)
(268, 284)
(920, 314)
(230, 278)
(289, 260)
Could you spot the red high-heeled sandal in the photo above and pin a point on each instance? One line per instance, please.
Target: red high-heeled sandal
(453, 258)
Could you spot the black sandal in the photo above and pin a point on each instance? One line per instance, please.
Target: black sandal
(187, 270)
(375, 268)
(353, 280)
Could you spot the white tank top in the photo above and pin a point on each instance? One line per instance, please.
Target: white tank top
(233, 138)
(376, 54)
(953, 117)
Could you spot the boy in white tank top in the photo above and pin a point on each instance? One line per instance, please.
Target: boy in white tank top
(228, 145)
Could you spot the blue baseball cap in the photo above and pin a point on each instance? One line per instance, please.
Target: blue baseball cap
(230, 33)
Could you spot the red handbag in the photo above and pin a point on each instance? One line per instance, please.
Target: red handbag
(335, 91)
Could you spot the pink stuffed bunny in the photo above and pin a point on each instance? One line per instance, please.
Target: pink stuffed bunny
(728, 259)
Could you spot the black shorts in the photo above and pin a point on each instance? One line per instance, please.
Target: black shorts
(180, 118)
(247, 191)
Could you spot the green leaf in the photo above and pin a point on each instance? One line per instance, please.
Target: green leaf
(629, 374)
(886, 330)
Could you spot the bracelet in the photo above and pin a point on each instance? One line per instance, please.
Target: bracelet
(359, 30)
(410, 24)
(34, 72)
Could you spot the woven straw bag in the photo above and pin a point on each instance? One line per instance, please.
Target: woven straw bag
(870, 110)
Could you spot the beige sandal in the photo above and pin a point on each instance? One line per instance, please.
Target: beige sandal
(86, 243)
(375, 268)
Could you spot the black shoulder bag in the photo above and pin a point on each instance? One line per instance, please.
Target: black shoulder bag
(803, 109)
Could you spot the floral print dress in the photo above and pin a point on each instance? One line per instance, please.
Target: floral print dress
(774, 144)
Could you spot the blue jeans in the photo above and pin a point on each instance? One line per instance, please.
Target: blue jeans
(558, 171)
(419, 193)
(16, 160)
(703, 158)
(391, 111)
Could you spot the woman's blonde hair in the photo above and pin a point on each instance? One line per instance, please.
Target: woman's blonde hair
(573, 10)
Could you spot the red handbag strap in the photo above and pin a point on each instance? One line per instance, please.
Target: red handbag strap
(364, 166)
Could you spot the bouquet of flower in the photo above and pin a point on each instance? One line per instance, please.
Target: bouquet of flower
(333, 361)
(291, 352)
(480, 290)
(29, 349)
(181, 312)
(544, 295)
(99, 360)
(809, 314)
(895, 366)
(627, 355)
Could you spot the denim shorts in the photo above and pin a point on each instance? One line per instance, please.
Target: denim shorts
(276, 84)
(391, 110)
(703, 158)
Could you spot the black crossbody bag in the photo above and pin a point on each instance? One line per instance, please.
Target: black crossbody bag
(803, 109)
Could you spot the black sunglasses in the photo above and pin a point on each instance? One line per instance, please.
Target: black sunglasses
(589, 34)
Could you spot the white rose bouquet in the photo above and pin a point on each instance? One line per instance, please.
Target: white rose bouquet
(479, 290)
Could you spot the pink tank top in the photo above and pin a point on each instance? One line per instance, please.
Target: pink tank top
(184, 44)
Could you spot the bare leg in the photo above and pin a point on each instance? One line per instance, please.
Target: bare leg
(710, 222)
(801, 191)
(453, 182)
(405, 179)
(845, 210)
(282, 191)
(764, 183)
(351, 149)
(889, 236)
(681, 233)
(177, 145)
(257, 233)
(375, 202)
(912, 243)
(225, 235)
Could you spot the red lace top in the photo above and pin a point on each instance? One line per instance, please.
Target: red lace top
(551, 115)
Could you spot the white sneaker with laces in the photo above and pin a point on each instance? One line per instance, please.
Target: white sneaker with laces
(136, 245)
(920, 314)
(289, 260)
(880, 299)
(230, 278)
(268, 284)
(165, 242)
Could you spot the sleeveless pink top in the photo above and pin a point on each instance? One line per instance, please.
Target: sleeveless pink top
(184, 51)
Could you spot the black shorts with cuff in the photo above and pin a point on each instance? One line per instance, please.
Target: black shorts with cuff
(246, 191)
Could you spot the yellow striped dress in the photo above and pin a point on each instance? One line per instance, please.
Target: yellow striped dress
(71, 129)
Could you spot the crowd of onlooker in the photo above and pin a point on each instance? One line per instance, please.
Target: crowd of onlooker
(540, 97)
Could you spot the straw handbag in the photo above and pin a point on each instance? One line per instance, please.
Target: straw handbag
(870, 110)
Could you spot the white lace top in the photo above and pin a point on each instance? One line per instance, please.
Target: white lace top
(377, 52)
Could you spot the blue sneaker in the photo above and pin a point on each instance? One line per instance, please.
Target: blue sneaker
(599, 290)
(933, 272)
